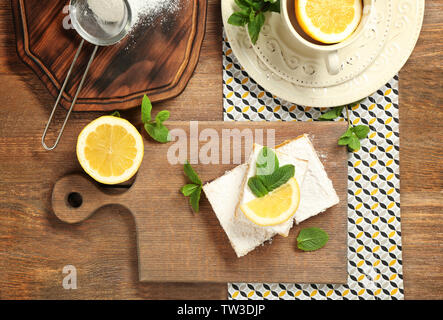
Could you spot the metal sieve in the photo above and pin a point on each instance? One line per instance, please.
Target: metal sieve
(97, 32)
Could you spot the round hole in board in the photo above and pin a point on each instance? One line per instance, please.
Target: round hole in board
(75, 200)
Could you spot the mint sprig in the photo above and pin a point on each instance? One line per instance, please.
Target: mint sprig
(351, 138)
(270, 175)
(251, 13)
(194, 189)
(311, 239)
(155, 128)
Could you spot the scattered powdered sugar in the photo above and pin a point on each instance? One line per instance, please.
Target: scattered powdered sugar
(145, 11)
(150, 12)
(322, 155)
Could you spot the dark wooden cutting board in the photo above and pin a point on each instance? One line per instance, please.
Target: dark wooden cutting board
(157, 59)
(176, 245)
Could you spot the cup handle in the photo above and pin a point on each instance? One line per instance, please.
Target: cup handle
(333, 63)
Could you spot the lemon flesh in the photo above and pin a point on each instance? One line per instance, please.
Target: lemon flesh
(110, 150)
(276, 207)
(329, 21)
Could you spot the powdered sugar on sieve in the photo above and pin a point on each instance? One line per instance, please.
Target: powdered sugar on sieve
(108, 10)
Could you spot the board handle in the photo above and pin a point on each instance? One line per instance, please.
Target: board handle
(75, 198)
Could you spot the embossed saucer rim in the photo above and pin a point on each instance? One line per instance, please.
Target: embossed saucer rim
(309, 70)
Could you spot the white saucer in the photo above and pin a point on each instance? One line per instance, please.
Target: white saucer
(303, 80)
(276, 49)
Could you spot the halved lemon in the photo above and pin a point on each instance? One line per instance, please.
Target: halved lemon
(329, 21)
(110, 150)
(276, 207)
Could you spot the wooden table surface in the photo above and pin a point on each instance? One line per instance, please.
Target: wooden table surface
(35, 246)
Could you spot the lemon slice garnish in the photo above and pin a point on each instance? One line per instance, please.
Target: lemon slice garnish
(276, 207)
(329, 21)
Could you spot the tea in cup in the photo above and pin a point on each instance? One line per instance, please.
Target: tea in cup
(303, 21)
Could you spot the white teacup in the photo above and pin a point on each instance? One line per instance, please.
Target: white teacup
(330, 51)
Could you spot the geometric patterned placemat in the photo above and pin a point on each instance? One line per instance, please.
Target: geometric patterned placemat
(374, 231)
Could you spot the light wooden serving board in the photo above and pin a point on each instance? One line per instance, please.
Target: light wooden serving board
(176, 245)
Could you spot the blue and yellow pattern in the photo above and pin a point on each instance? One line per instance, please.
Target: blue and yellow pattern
(374, 230)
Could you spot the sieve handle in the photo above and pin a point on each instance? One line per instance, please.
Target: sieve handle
(62, 90)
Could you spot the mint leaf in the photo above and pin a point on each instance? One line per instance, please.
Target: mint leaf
(189, 189)
(345, 138)
(311, 239)
(267, 161)
(252, 13)
(255, 25)
(238, 19)
(158, 132)
(332, 114)
(350, 139)
(156, 129)
(275, 6)
(146, 109)
(242, 4)
(162, 116)
(361, 131)
(256, 5)
(344, 141)
(278, 178)
(257, 187)
(191, 174)
(194, 190)
(348, 133)
(354, 143)
(194, 199)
